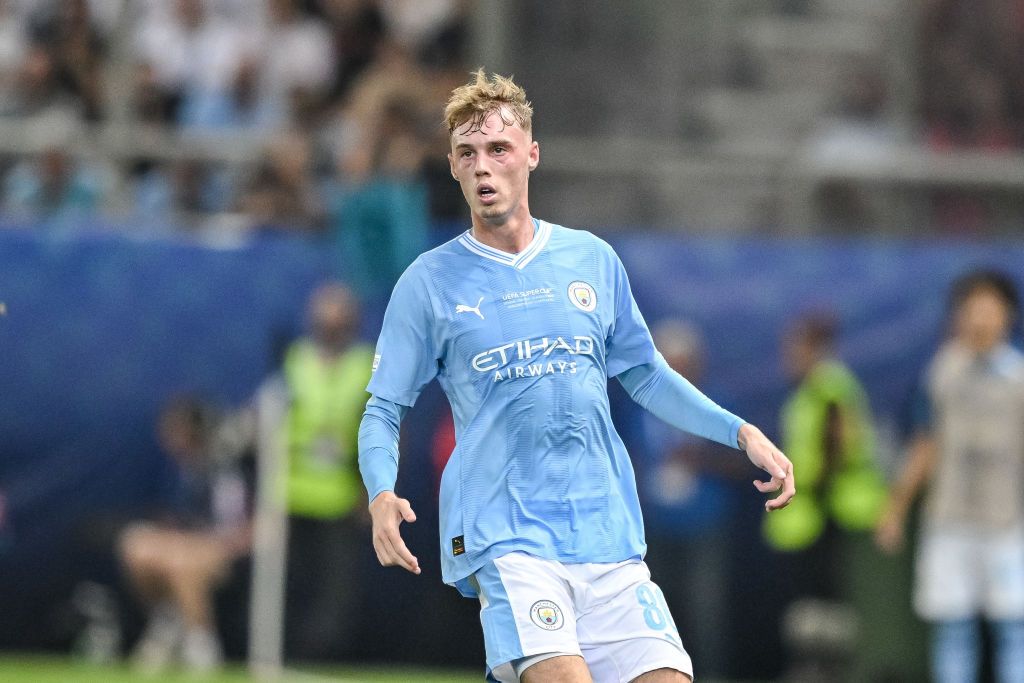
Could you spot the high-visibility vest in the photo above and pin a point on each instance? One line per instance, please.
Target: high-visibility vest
(328, 396)
(855, 491)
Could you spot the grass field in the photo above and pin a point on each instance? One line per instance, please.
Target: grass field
(35, 669)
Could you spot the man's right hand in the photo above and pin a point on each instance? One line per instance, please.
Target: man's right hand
(889, 535)
(388, 511)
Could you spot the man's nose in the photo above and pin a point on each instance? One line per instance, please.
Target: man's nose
(481, 168)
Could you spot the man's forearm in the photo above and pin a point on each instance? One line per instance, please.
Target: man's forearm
(669, 396)
(916, 473)
(378, 445)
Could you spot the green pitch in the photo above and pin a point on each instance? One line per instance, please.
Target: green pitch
(31, 669)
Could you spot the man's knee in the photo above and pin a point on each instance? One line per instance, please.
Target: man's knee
(663, 676)
(139, 553)
(564, 669)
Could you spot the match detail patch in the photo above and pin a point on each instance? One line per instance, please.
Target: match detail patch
(458, 545)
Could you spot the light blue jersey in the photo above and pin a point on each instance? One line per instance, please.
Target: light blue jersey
(523, 345)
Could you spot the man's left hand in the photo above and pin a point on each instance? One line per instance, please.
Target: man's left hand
(763, 453)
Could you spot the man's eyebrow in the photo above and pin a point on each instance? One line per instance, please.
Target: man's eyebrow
(488, 143)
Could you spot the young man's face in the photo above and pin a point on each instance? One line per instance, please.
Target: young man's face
(983, 320)
(493, 166)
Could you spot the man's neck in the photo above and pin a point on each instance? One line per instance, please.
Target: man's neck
(512, 236)
(981, 350)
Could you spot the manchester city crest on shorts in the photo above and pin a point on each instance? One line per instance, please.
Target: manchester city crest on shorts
(582, 296)
(546, 614)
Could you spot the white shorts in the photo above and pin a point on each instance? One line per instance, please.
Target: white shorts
(612, 615)
(966, 573)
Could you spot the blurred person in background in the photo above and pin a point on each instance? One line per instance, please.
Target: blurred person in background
(13, 52)
(354, 129)
(824, 534)
(291, 67)
(688, 492)
(969, 452)
(325, 376)
(381, 216)
(283, 194)
(175, 561)
(357, 27)
(971, 95)
(54, 186)
(181, 193)
(62, 70)
(970, 74)
(189, 61)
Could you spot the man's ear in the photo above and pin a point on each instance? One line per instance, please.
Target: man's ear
(451, 166)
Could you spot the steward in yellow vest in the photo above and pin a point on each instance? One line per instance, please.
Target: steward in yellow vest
(326, 375)
(328, 395)
(827, 434)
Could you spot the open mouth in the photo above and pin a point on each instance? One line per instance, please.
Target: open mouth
(485, 192)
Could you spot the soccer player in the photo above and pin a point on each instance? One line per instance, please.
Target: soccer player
(523, 322)
(968, 451)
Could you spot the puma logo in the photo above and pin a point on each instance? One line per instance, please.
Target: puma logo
(463, 308)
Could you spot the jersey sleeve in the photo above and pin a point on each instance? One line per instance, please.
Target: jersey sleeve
(406, 358)
(629, 342)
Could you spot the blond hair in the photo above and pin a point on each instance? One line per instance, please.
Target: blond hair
(473, 102)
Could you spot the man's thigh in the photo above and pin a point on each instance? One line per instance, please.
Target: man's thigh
(526, 610)
(629, 631)
(949, 576)
(1004, 575)
(611, 615)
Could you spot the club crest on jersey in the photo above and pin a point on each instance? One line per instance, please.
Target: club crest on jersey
(582, 296)
(546, 614)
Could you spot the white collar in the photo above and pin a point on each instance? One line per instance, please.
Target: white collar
(520, 260)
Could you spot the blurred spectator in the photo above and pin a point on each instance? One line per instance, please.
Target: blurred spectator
(64, 64)
(970, 73)
(446, 201)
(828, 434)
(357, 27)
(863, 96)
(688, 491)
(380, 219)
(291, 69)
(286, 65)
(183, 193)
(326, 376)
(283, 194)
(856, 130)
(54, 186)
(13, 52)
(189, 63)
(972, 95)
(969, 447)
(176, 561)
(416, 23)
(393, 77)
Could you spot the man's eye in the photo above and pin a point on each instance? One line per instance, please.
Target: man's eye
(499, 150)
(467, 154)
